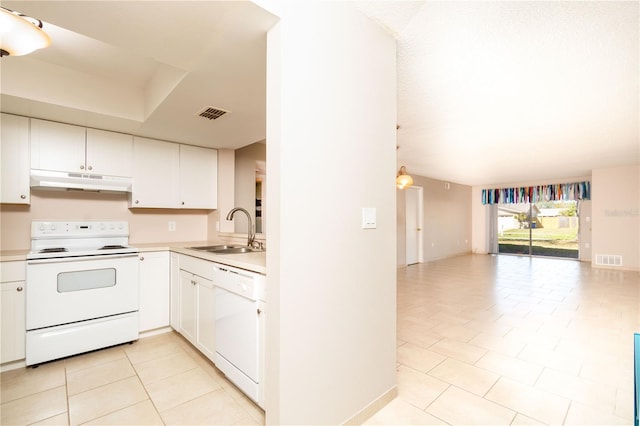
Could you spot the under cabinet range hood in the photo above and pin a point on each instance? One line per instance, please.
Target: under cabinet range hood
(46, 179)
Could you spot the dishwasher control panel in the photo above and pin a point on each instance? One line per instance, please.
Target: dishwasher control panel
(238, 281)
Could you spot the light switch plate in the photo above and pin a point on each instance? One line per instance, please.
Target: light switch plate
(368, 218)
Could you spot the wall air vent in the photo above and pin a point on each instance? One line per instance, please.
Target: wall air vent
(211, 113)
(608, 260)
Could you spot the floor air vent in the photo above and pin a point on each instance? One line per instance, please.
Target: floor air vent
(211, 113)
(608, 260)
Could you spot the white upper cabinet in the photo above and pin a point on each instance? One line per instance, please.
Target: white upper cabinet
(198, 177)
(171, 175)
(14, 159)
(156, 174)
(109, 153)
(57, 147)
(67, 148)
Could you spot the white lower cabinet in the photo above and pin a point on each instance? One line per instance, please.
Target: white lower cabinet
(13, 311)
(154, 290)
(224, 321)
(187, 323)
(174, 290)
(197, 320)
(205, 321)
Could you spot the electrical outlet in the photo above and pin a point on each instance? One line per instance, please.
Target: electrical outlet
(172, 225)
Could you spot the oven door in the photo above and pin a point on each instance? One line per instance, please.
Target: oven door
(66, 290)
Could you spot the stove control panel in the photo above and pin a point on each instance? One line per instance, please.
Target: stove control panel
(78, 229)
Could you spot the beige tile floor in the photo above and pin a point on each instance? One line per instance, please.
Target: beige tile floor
(508, 340)
(154, 381)
(490, 340)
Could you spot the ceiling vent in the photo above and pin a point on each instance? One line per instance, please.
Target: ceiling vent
(211, 113)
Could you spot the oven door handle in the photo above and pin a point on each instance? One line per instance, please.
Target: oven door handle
(80, 258)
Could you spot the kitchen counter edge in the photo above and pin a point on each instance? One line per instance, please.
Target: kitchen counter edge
(255, 262)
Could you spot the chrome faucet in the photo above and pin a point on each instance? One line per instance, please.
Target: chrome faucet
(251, 236)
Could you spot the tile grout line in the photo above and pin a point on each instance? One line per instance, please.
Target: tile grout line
(146, 391)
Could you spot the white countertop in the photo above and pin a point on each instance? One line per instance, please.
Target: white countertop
(256, 261)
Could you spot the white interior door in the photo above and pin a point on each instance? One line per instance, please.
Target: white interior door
(413, 224)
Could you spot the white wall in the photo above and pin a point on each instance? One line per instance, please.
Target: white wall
(145, 225)
(615, 205)
(447, 219)
(226, 198)
(479, 211)
(331, 290)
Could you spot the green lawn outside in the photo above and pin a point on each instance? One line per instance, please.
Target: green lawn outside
(557, 242)
(541, 234)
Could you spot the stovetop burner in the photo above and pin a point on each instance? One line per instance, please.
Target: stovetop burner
(53, 250)
(61, 239)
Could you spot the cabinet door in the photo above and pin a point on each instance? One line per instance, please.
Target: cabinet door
(188, 312)
(109, 153)
(198, 177)
(155, 174)
(206, 318)
(14, 159)
(154, 290)
(57, 146)
(174, 298)
(12, 321)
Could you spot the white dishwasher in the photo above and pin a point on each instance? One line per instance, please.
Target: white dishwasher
(239, 328)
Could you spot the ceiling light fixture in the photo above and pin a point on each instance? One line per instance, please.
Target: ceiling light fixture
(20, 34)
(403, 180)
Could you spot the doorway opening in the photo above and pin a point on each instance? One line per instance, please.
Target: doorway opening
(545, 228)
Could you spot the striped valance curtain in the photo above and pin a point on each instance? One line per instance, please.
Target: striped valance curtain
(533, 194)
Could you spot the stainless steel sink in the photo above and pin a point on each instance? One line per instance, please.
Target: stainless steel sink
(215, 248)
(232, 250)
(226, 249)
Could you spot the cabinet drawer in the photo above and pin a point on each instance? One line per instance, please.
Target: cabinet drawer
(12, 271)
(193, 265)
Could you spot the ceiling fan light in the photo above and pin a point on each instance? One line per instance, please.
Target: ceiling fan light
(20, 34)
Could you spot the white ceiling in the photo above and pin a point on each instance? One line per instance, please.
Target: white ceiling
(146, 68)
(488, 92)
(501, 92)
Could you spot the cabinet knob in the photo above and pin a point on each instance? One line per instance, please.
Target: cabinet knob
(183, 203)
(141, 257)
(90, 168)
(19, 289)
(23, 196)
(137, 201)
(81, 167)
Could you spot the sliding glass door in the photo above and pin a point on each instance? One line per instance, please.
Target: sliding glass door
(546, 228)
